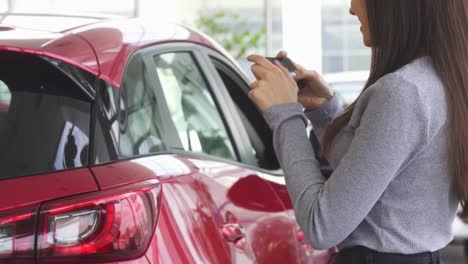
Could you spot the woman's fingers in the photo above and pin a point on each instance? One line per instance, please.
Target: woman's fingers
(284, 70)
(282, 54)
(261, 61)
(257, 77)
(255, 85)
(259, 71)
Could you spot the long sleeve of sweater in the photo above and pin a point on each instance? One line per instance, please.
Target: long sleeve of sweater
(392, 129)
(322, 117)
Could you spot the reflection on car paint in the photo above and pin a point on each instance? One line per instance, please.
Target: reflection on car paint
(163, 165)
(198, 196)
(244, 198)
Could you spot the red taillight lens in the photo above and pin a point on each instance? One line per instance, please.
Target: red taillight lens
(106, 226)
(17, 232)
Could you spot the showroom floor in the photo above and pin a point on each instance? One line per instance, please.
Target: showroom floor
(453, 254)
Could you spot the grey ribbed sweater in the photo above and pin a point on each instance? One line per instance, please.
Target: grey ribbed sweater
(391, 189)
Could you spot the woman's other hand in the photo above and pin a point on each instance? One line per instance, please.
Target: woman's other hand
(315, 91)
(274, 85)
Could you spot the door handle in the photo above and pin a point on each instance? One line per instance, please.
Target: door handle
(232, 232)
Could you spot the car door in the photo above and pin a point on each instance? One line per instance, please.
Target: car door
(132, 145)
(251, 218)
(260, 142)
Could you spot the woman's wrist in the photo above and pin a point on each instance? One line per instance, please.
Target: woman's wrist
(317, 104)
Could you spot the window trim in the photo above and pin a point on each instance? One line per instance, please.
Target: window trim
(174, 146)
(165, 133)
(199, 59)
(237, 125)
(241, 77)
(169, 130)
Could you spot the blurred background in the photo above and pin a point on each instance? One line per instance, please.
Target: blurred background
(319, 34)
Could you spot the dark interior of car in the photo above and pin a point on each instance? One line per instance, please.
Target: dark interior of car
(45, 110)
(260, 134)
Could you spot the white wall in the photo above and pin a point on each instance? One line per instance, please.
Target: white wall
(125, 7)
(302, 32)
(159, 10)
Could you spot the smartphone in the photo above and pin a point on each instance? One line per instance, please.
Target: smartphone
(288, 64)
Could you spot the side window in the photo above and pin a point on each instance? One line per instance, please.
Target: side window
(107, 132)
(44, 117)
(193, 110)
(139, 120)
(257, 129)
(5, 97)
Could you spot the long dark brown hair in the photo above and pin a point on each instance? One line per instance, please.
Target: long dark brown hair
(403, 30)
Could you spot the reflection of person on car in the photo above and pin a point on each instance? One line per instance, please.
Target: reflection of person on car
(70, 150)
(399, 152)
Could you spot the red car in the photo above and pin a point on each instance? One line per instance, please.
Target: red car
(124, 142)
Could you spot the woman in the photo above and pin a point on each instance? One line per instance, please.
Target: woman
(400, 152)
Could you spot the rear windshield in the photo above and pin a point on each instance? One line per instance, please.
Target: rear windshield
(44, 117)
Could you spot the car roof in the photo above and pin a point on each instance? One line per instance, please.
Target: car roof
(99, 45)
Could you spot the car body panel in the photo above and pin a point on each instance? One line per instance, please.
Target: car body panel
(200, 195)
(186, 233)
(115, 174)
(242, 197)
(116, 41)
(25, 191)
(69, 48)
(105, 46)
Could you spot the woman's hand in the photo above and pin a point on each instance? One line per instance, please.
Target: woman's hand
(274, 85)
(315, 92)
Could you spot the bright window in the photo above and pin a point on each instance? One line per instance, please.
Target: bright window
(193, 110)
(343, 49)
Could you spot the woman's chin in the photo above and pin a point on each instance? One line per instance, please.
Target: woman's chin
(367, 43)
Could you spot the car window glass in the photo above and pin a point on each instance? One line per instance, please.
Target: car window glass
(44, 117)
(139, 120)
(107, 129)
(192, 108)
(5, 95)
(260, 136)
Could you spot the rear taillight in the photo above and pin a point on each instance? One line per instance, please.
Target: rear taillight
(17, 232)
(105, 226)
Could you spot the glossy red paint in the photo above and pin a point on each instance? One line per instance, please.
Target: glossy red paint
(210, 212)
(126, 172)
(69, 48)
(115, 41)
(278, 185)
(142, 260)
(240, 194)
(26, 191)
(242, 197)
(4, 107)
(199, 197)
(186, 231)
(102, 48)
